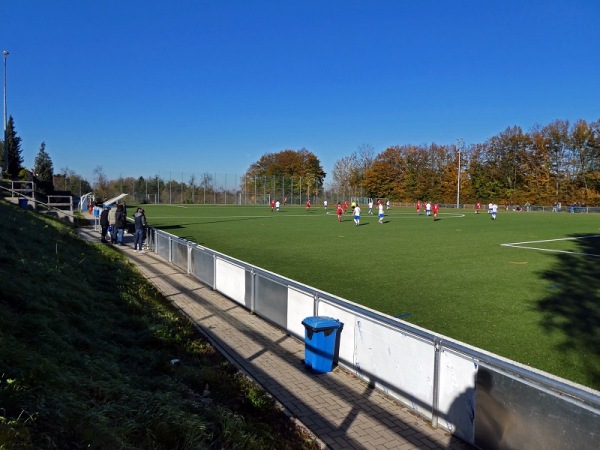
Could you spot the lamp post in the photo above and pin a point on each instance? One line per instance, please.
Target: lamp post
(5, 53)
(459, 146)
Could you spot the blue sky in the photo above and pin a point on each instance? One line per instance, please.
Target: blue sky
(141, 87)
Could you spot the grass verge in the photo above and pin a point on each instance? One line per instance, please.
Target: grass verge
(88, 350)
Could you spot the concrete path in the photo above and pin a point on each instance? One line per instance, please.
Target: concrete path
(338, 408)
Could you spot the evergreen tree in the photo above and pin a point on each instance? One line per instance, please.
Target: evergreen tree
(44, 170)
(13, 147)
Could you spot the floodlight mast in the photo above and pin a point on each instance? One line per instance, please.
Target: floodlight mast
(5, 54)
(460, 144)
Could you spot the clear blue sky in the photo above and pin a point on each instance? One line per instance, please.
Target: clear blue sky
(142, 87)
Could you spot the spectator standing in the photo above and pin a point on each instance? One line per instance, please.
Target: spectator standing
(121, 223)
(140, 230)
(104, 224)
(112, 223)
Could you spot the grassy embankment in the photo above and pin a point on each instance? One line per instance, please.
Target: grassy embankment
(86, 350)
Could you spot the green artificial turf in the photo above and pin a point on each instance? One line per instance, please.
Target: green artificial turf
(537, 305)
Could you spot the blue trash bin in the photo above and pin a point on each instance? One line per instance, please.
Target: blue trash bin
(23, 203)
(320, 342)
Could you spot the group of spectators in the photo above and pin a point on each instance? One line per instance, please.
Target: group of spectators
(113, 223)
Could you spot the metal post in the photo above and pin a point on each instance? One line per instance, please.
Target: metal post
(460, 144)
(437, 346)
(5, 53)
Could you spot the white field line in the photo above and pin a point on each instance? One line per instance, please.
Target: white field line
(527, 247)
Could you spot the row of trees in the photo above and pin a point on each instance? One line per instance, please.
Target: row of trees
(558, 162)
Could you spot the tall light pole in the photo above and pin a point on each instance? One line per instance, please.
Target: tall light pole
(5, 53)
(460, 144)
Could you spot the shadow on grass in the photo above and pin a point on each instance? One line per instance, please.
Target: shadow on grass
(207, 222)
(573, 305)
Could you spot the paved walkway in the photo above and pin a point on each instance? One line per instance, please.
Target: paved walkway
(342, 410)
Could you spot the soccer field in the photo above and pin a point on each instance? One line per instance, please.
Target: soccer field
(525, 286)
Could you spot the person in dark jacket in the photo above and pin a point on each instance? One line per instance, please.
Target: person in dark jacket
(140, 230)
(121, 223)
(103, 224)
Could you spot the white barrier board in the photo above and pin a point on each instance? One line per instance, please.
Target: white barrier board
(346, 355)
(230, 280)
(389, 358)
(456, 400)
(300, 305)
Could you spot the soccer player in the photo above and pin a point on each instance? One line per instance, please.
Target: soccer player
(307, 205)
(272, 205)
(277, 204)
(428, 208)
(357, 215)
(340, 211)
(370, 206)
(345, 206)
(477, 208)
(325, 204)
(494, 211)
(419, 207)
(381, 212)
(436, 208)
(387, 205)
(490, 206)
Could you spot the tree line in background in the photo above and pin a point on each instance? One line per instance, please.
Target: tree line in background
(558, 162)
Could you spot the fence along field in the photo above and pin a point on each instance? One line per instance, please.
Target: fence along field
(464, 275)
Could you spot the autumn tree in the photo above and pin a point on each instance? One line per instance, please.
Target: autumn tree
(288, 171)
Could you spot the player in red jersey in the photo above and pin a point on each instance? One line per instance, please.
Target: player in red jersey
(477, 208)
(419, 207)
(307, 205)
(436, 208)
(340, 211)
(272, 205)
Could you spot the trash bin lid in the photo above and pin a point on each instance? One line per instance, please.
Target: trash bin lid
(321, 323)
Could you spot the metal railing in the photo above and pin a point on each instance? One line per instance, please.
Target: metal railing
(486, 400)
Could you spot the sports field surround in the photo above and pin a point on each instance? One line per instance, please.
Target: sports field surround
(525, 286)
